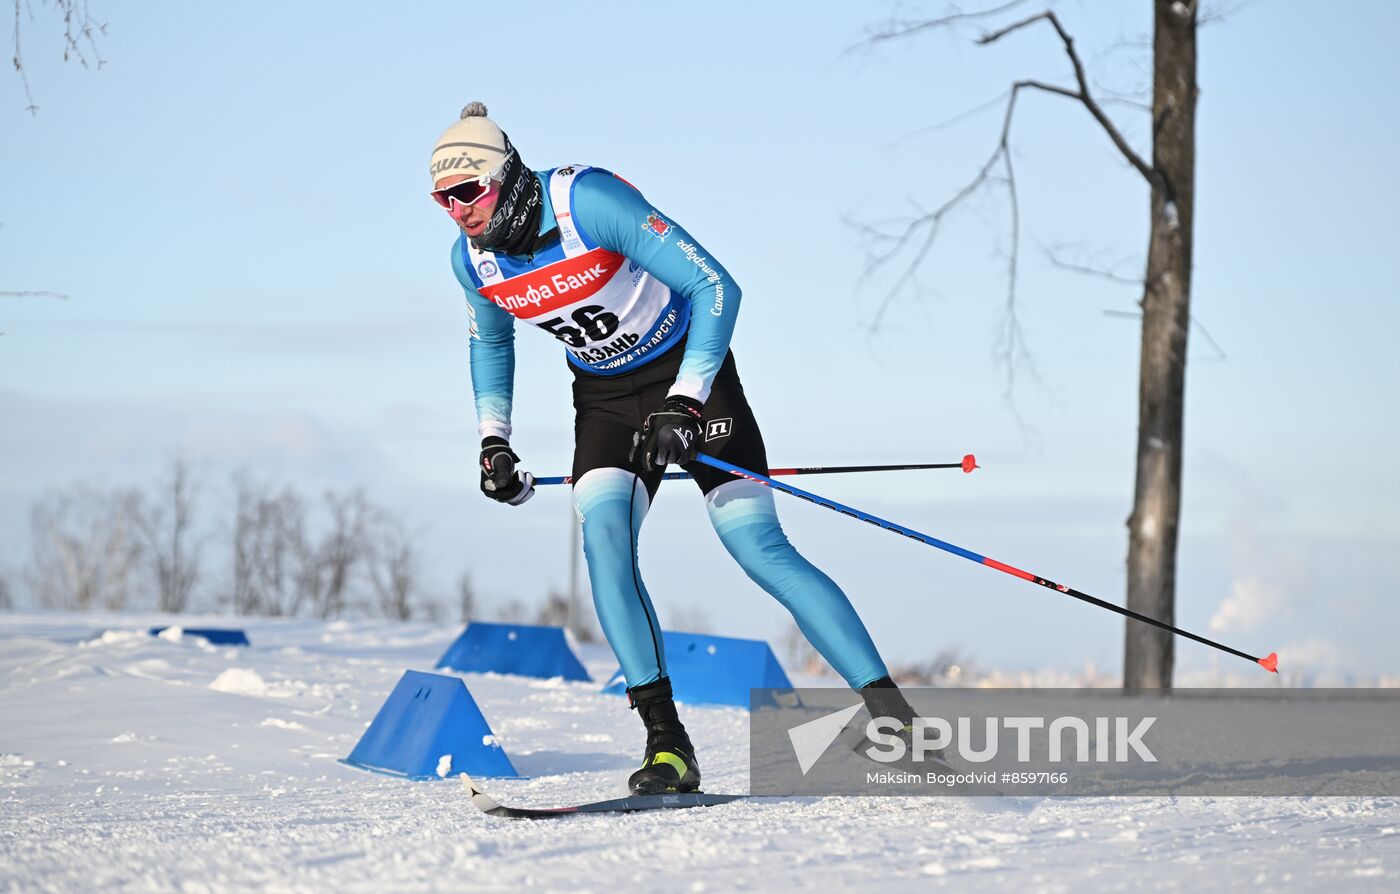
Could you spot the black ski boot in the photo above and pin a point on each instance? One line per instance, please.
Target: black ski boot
(669, 765)
(883, 699)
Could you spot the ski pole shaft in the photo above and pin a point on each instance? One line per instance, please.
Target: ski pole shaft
(1269, 662)
(968, 463)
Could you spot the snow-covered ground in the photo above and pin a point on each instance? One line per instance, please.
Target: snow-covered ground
(135, 763)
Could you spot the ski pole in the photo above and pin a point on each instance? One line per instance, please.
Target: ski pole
(968, 463)
(1269, 662)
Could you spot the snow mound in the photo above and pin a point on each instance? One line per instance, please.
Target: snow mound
(280, 723)
(114, 637)
(240, 681)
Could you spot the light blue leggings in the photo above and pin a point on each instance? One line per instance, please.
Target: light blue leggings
(611, 505)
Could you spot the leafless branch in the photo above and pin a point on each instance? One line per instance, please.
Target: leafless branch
(898, 29)
(1134, 49)
(1220, 352)
(1139, 97)
(1011, 349)
(1084, 96)
(923, 231)
(80, 32)
(1094, 271)
(1216, 13)
(1053, 254)
(945, 124)
(1137, 315)
(18, 60)
(1130, 103)
(914, 238)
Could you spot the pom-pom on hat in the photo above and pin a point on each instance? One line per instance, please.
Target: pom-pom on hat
(473, 146)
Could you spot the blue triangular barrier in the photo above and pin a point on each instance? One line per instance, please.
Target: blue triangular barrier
(216, 636)
(526, 650)
(426, 717)
(715, 670)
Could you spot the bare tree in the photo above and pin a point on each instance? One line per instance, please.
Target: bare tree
(1170, 178)
(245, 596)
(6, 601)
(802, 657)
(555, 610)
(80, 33)
(360, 557)
(327, 568)
(166, 525)
(85, 548)
(558, 610)
(466, 598)
(268, 549)
(392, 566)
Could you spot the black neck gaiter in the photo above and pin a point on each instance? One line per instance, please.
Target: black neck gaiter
(514, 228)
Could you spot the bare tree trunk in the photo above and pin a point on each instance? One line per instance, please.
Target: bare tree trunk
(166, 526)
(391, 564)
(339, 555)
(1166, 314)
(466, 598)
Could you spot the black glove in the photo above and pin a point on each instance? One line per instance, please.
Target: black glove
(670, 435)
(499, 480)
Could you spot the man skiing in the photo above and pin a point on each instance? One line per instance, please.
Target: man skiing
(646, 316)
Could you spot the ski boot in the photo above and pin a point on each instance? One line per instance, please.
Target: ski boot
(669, 765)
(883, 699)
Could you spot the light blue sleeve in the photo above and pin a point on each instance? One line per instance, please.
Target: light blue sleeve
(617, 217)
(492, 355)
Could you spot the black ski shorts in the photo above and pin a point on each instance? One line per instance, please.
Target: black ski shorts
(608, 410)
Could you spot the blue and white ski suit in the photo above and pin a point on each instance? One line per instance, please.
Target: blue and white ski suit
(624, 287)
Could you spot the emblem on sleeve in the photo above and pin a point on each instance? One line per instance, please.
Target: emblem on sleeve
(657, 226)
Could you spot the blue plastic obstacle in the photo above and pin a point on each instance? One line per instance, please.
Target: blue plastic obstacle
(427, 717)
(715, 670)
(216, 636)
(523, 649)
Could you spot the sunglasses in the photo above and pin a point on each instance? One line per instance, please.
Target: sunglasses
(466, 193)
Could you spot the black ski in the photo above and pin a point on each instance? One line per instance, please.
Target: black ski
(490, 806)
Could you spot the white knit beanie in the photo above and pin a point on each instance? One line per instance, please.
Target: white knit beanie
(473, 146)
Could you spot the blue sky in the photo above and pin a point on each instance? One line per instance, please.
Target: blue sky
(236, 206)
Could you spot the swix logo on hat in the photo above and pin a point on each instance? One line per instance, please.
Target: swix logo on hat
(464, 162)
(657, 226)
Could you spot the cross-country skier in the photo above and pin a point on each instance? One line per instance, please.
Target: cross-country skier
(646, 315)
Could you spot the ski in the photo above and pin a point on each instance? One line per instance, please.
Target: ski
(491, 807)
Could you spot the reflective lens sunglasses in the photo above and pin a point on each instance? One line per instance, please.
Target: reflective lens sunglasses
(466, 193)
